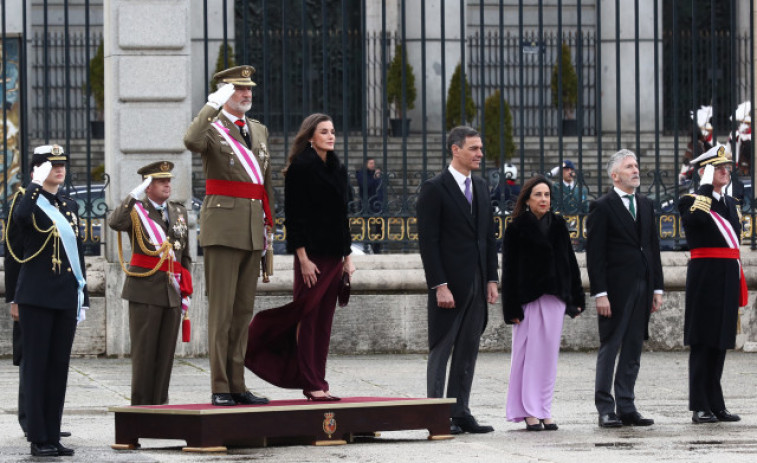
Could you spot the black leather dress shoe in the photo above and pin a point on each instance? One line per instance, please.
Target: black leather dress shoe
(222, 400)
(469, 424)
(65, 434)
(248, 398)
(703, 417)
(725, 415)
(455, 429)
(64, 451)
(610, 420)
(44, 450)
(635, 419)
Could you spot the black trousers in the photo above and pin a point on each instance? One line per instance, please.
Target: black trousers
(628, 337)
(705, 370)
(18, 359)
(462, 341)
(48, 335)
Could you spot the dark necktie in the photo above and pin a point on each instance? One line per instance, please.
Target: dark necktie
(245, 133)
(468, 192)
(631, 207)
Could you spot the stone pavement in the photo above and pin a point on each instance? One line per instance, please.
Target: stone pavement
(96, 384)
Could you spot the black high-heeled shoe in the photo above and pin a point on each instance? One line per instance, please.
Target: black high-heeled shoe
(549, 426)
(323, 398)
(534, 427)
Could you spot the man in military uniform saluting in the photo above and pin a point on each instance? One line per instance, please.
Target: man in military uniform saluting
(235, 224)
(715, 285)
(158, 282)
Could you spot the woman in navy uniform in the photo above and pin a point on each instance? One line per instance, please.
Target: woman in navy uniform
(50, 292)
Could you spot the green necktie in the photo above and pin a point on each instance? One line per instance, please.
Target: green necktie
(631, 207)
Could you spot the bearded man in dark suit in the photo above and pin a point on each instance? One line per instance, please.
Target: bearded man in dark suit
(456, 235)
(625, 273)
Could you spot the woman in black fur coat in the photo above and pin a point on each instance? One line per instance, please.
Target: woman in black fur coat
(540, 282)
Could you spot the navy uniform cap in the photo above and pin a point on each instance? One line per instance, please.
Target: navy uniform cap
(52, 153)
(717, 156)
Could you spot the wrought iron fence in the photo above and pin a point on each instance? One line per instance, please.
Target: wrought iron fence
(59, 108)
(485, 70)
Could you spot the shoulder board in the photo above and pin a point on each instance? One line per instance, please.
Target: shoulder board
(255, 121)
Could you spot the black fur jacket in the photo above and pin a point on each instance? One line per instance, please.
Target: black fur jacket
(535, 264)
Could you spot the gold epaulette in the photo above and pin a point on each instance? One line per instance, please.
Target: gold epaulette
(701, 202)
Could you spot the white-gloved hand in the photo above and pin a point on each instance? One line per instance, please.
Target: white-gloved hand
(139, 190)
(220, 96)
(41, 172)
(709, 172)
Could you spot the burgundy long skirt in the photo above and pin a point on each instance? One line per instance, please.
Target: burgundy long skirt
(274, 351)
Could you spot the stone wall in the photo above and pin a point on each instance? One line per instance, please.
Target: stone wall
(386, 314)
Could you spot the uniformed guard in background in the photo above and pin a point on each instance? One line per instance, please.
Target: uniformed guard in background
(715, 284)
(158, 281)
(236, 224)
(51, 294)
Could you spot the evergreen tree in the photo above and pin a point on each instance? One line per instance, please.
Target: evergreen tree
(492, 140)
(569, 84)
(394, 82)
(454, 118)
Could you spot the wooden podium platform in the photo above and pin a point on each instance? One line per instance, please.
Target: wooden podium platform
(207, 428)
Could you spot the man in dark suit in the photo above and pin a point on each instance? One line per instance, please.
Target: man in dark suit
(715, 286)
(625, 272)
(456, 235)
(157, 289)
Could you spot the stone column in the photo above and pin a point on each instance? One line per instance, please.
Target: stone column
(628, 97)
(147, 109)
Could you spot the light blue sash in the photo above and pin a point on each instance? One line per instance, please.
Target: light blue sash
(68, 237)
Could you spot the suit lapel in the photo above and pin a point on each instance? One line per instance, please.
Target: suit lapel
(457, 196)
(233, 129)
(622, 214)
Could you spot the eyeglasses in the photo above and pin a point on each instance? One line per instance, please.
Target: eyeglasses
(727, 168)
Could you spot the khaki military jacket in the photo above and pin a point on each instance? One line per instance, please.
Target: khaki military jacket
(225, 220)
(156, 289)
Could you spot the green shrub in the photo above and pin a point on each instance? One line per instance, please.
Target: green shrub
(394, 82)
(453, 116)
(569, 84)
(492, 139)
(97, 80)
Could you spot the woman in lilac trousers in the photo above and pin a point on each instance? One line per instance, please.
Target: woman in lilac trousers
(541, 282)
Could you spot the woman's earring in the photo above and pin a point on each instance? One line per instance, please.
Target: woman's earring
(528, 208)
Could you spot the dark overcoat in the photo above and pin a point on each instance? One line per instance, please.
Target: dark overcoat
(40, 284)
(712, 285)
(621, 251)
(315, 205)
(454, 244)
(535, 264)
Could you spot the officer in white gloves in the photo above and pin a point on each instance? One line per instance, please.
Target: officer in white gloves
(51, 293)
(715, 284)
(235, 224)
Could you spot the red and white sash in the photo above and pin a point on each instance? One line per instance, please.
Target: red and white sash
(725, 228)
(244, 155)
(157, 237)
